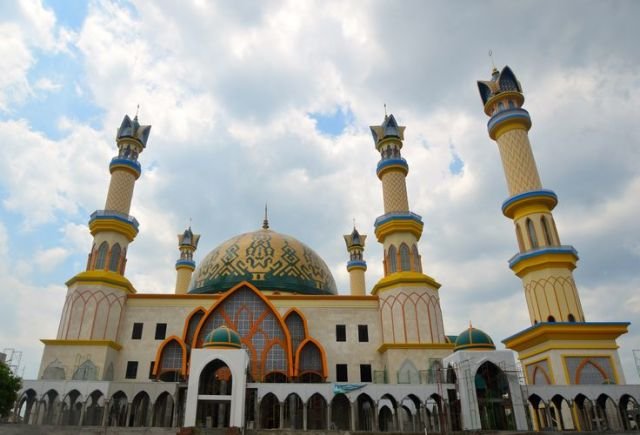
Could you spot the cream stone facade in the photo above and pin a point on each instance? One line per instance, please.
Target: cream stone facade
(257, 335)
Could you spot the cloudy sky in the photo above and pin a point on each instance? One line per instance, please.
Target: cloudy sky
(271, 101)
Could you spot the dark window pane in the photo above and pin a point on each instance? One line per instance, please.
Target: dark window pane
(363, 333)
(132, 370)
(161, 331)
(341, 373)
(365, 372)
(136, 334)
(151, 369)
(341, 333)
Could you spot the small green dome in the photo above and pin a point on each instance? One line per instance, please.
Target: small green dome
(474, 339)
(222, 337)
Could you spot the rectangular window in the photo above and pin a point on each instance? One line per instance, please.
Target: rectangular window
(341, 373)
(341, 333)
(136, 334)
(365, 373)
(132, 370)
(151, 364)
(161, 331)
(363, 333)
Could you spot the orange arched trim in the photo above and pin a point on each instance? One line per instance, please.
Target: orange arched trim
(188, 320)
(544, 373)
(302, 316)
(595, 364)
(322, 354)
(156, 365)
(248, 285)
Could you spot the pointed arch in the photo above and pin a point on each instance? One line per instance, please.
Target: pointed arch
(408, 373)
(297, 325)
(265, 323)
(519, 238)
(309, 341)
(159, 367)
(417, 260)
(585, 365)
(485, 92)
(533, 239)
(114, 258)
(392, 258)
(546, 232)
(191, 323)
(540, 371)
(507, 81)
(405, 260)
(102, 256)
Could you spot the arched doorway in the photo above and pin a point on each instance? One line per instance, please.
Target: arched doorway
(163, 411)
(51, 402)
(385, 419)
(630, 412)
(340, 413)
(71, 409)
(586, 413)
(366, 413)
(118, 409)
(494, 398)
(269, 412)
(94, 410)
(139, 410)
(215, 380)
(316, 412)
(292, 412)
(24, 410)
(608, 413)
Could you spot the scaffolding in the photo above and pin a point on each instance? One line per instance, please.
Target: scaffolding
(13, 359)
(636, 357)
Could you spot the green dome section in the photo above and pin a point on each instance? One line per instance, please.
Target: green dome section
(474, 339)
(222, 337)
(268, 260)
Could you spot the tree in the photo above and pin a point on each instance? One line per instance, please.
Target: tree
(9, 386)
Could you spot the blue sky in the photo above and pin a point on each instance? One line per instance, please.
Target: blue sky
(271, 101)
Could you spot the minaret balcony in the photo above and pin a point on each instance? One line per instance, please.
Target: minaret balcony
(356, 264)
(111, 220)
(515, 116)
(398, 222)
(561, 256)
(545, 198)
(394, 163)
(127, 164)
(185, 263)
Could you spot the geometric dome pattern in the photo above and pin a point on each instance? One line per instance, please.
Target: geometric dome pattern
(474, 339)
(268, 260)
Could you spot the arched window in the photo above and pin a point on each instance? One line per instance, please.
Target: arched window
(551, 319)
(405, 263)
(114, 260)
(417, 263)
(571, 318)
(102, 256)
(533, 240)
(295, 324)
(391, 258)
(545, 230)
(519, 237)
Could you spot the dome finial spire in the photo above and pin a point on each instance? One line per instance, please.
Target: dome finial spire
(265, 222)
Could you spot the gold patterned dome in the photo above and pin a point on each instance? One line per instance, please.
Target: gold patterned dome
(269, 260)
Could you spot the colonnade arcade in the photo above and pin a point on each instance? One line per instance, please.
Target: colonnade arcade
(611, 410)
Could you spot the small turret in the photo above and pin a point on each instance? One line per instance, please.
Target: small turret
(187, 243)
(356, 266)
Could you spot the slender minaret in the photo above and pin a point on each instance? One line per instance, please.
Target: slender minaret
(356, 266)
(409, 301)
(544, 265)
(95, 298)
(187, 243)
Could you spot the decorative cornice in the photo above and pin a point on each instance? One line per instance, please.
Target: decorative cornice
(356, 264)
(399, 279)
(544, 197)
(398, 222)
(186, 264)
(110, 220)
(103, 277)
(102, 343)
(126, 164)
(564, 256)
(387, 346)
(507, 119)
(573, 331)
(386, 165)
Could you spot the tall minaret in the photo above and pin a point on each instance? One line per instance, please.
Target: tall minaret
(95, 298)
(187, 243)
(356, 266)
(543, 264)
(409, 301)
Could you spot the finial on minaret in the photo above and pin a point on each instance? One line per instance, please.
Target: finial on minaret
(137, 111)
(385, 110)
(265, 222)
(493, 63)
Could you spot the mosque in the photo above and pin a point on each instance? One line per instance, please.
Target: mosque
(256, 336)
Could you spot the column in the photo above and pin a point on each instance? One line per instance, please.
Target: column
(105, 413)
(328, 415)
(304, 416)
(281, 415)
(354, 415)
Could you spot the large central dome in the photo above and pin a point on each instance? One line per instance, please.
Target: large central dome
(269, 260)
